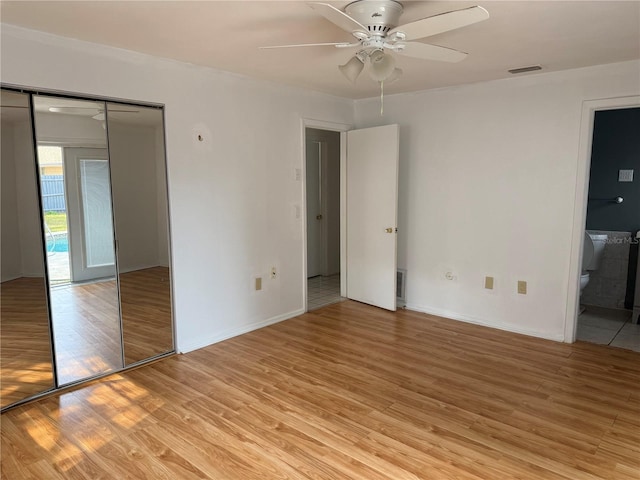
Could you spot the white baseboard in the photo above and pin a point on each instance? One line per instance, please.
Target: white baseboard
(135, 268)
(559, 337)
(23, 275)
(219, 337)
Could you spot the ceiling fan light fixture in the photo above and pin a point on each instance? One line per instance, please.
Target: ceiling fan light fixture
(382, 65)
(395, 75)
(352, 69)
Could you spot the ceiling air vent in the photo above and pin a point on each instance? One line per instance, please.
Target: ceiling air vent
(532, 68)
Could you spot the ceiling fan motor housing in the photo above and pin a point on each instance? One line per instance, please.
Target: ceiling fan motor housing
(378, 16)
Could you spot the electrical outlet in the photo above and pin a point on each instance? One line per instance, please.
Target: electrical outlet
(522, 287)
(488, 283)
(258, 283)
(273, 273)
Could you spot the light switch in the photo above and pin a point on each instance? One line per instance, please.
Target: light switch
(625, 175)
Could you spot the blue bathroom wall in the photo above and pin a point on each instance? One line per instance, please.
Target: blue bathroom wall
(616, 146)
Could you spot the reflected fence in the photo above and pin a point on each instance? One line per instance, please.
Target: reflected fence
(53, 193)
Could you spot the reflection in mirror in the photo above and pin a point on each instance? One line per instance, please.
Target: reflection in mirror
(76, 204)
(137, 159)
(25, 350)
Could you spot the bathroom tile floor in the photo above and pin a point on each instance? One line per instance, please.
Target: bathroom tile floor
(607, 326)
(323, 291)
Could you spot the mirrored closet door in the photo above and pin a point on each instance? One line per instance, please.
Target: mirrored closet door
(99, 224)
(72, 150)
(25, 350)
(137, 160)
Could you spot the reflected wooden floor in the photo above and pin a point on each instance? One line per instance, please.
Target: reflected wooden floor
(145, 297)
(86, 332)
(87, 323)
(25, 351)
(346, 392)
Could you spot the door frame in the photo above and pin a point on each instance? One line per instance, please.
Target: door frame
(589, 109)
(342, 128)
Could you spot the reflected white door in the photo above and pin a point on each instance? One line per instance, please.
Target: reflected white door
(372, 212)
(91, 240)
(314, 209)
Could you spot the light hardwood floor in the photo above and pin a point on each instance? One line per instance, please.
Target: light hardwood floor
(346, 392)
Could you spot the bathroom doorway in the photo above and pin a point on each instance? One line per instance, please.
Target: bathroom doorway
(322, 187)
(608, 286)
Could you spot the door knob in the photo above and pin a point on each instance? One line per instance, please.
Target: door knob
(389, 230)
(318, 217)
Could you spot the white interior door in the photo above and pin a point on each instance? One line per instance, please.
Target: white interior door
(372, 212)
(90, 219)
(314, 209)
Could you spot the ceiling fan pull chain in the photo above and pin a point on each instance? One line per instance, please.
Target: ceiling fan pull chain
(382, 98)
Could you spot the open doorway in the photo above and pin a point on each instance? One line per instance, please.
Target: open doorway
(54, 208)
(610, 253)
(76, 205)
(589, 110)
(322, 186)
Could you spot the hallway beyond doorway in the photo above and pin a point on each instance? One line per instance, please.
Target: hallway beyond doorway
(323, 291)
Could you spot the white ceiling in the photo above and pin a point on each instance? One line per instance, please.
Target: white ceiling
(226, 35)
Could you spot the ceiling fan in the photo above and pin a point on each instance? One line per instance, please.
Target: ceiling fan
(374, 24)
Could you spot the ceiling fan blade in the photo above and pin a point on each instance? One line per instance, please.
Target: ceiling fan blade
(430, 52)
(338, 44)
(443, 22)
(338, 17)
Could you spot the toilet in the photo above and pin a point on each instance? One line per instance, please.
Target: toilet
(591, 256)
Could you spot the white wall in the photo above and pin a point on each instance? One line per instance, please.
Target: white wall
(22, 249)
(487, 187)
(132, 154)
(10, 234)
(232, 196)
(162, 202)
(31, 241)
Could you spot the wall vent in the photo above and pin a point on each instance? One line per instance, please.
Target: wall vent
(531, 68)
(401, 277)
